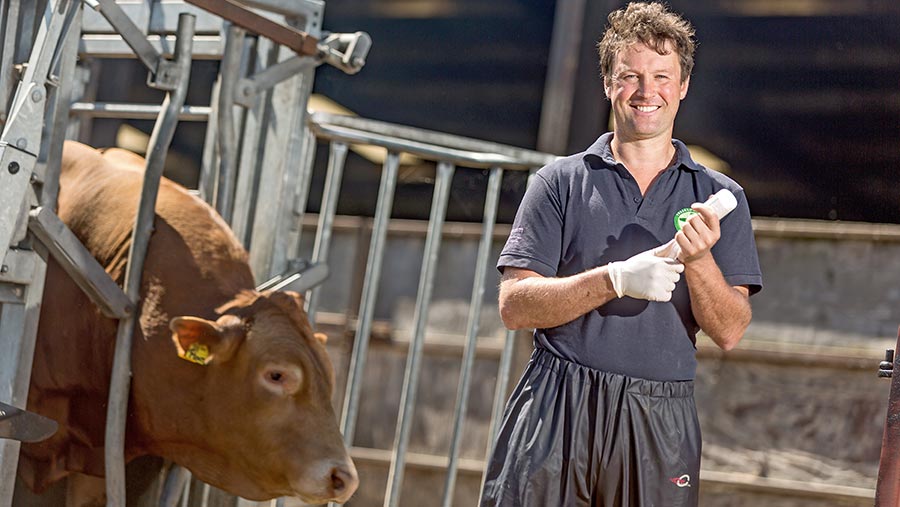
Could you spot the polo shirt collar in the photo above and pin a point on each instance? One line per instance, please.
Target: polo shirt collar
(602, 150)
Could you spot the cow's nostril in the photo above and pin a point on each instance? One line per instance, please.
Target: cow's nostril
(341, 479)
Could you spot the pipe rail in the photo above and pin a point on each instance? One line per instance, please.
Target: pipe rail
(448, 152)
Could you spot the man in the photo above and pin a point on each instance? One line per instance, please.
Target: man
(604, 414)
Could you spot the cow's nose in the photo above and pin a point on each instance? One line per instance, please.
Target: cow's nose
(344, 481)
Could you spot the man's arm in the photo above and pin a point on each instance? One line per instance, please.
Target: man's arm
(529, 300)
(722, 311)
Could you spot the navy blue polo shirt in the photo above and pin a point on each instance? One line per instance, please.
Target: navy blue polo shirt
(586, 210)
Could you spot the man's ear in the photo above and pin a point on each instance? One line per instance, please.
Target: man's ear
(202, 341)
(322, 337)
(684, 87)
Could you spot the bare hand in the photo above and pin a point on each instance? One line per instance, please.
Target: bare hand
(699, 234)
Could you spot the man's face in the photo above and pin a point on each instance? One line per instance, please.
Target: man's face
(645, 90)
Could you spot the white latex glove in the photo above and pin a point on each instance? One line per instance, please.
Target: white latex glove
(649, 275)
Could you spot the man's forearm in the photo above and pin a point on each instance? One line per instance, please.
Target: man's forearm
(723, 312)
(538, 302)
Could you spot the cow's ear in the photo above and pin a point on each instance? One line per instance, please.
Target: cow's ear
(296, 296)
(322, 337)
(202, 341)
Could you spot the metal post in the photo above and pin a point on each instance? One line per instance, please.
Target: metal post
(18, 328)
(887, 490)
(225, 128)
(475, 304)
(120, 382)
(331, 192)
(301, 195)
(23, 271)
(445, 172)
(503, 371)
(369, 292)
(10, 31)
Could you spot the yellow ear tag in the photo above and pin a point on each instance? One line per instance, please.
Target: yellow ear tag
(197, 353)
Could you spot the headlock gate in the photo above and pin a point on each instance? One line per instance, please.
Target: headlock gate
(257, 169)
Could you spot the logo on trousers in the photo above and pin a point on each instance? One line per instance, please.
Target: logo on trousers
(682, 482)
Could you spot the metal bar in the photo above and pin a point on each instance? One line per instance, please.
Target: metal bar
(525, 157)
(160, 139)
(206, 182)
(369, 292)
(475, 304)
(301, 195)
(414, 358)
(16, 168)
(247, 88)
(302, 43)
(502, 384)
(207, 47)
(52, 138)
(10, 31)
(154, 17)
(331, 192)
(135, 111)
(307, 8)
(79, 263)
(253, 136)
(282, 136)
(45, 42)
(499, 397)
(131, 34)
(467, 158)
(21, 138)
(225, 126)
(18, 329)
(887, 490)
(177, 481)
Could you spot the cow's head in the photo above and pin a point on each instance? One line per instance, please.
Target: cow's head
(267, 384)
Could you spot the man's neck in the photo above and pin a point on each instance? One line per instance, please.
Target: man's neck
(645, 157)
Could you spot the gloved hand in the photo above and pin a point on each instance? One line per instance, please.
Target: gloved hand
(648, 275)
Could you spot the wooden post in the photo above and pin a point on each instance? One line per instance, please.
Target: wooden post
(887, 492)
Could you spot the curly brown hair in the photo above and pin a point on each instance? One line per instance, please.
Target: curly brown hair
(649, 23)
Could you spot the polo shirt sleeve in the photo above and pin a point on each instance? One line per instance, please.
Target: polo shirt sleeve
(535, 239)
(735, 252)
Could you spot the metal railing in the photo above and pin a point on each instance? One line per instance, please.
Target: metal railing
(448, 152)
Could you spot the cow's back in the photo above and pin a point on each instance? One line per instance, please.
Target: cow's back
(194, 264)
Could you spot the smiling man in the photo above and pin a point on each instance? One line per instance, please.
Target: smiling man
(604, 414)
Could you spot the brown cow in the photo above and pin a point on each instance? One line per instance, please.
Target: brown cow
(231, 383)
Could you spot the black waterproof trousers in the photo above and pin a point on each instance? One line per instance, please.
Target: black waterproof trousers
(575, 436)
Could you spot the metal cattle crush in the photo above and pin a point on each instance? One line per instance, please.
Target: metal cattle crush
(256, 175)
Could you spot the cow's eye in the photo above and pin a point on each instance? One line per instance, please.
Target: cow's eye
(282, 379)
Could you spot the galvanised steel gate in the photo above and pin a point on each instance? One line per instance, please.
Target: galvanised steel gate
(256, 175)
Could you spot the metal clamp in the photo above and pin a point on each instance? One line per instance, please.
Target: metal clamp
(163, 74)
(886, 367)
(346, 51)
(300, 277)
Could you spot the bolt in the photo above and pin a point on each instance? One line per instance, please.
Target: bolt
(37, 95)
(21, 143)
(13, 167)
(4, 269)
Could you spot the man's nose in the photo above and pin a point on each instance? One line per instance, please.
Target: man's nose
(646, 86)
